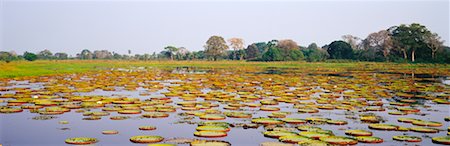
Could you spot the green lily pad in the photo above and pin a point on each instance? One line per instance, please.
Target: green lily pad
(213, 128)
(441, 140)
(339, 140)
(146, 139)
(407, 138)
(81, 140)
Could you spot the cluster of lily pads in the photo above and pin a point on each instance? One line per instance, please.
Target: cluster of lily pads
(288, 106)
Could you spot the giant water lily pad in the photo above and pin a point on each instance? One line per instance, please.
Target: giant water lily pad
(369, 139)
(81, 140)
(424, 130)
(314, 134)
(407, 138)
(427, 123)
(294, 120)
(293, 139)
(339, 140)
(209, 143)
(441, 140)
(210, 134)
(146, 139)
(383, 126)
(277, 134)
(212, 128)
(110, 132)
(266, 121)
(358, 132)
(212, 117)
(147, 128)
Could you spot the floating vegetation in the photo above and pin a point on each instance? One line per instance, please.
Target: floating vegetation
(44, 117)
(297, 105)
(81, 140)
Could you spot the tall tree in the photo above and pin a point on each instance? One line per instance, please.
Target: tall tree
(353, 41)
(434, 42)
(45, 54)
(252, 52)
(86, 54)
(29, 56)
(380, 41)
(410, 38)
(61, 55)
(237, 44)
(171, 50)
(102, 54)
(272, 54)
(215, 47)
(340, 50)
(289, 49)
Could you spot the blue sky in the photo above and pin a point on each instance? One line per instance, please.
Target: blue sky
(148, 26)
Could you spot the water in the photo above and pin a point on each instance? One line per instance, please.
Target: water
(20, 129)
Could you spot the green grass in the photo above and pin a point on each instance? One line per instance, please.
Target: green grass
(45, 67)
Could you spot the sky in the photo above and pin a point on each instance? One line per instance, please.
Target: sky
(147, 26)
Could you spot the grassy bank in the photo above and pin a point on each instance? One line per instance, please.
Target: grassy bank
(45, 67)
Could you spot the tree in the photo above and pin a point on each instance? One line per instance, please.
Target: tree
(29, 56)
(102, 54)
(340, 50)
(85, 54)
(45, 54)
(252, 52)
(433, 41)
(379, 41)
(181, 53)
(61, 55)
(295, 55)
(317, 54)
(353, 41)
(272, 54)
(215, 47)
(313, 53)
(237, 44)
(171, 51)
(290, 50)
(8, 56)
(410, 38)
(198, 55)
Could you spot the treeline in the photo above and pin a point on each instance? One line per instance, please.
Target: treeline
(404, 43)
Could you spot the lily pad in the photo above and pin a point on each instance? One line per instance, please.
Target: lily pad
(210, 134)
(212, 117)
(358, 132)
(369, 139)
(209, 143)
(441, 140)
(277, 134)
(147, 128)
(81, 140)
(424, 130)
(293, 139)
(267, 121)
(339, 140)
(213, 128)
(146, 139)
(110, 132)
(314, 134)
(407, 138)
(383, 126)
(294, 120)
